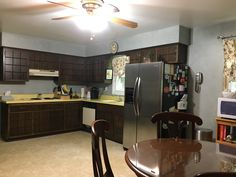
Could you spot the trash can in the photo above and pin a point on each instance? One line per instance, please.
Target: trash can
(203, 134)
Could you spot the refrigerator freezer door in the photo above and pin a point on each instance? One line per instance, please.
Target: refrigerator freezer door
(150, 99)
(138, 127)
(130, 116)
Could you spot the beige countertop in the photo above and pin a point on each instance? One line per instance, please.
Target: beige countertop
(100, 101)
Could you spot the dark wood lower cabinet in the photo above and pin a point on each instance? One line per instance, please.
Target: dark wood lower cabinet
(114, 115)
(118, 118)
(73, 110)
(21, 124)
(50, 119)
(26, 120)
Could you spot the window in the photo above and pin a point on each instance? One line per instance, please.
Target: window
(118, 82)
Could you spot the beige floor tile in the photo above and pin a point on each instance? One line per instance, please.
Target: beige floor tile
(62, 155)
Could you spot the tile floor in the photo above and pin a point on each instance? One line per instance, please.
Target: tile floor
(62, 155)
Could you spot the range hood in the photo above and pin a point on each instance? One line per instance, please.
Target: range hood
(45, 73)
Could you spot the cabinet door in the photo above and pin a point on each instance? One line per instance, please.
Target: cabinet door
(135, 56)
(148, 55)
(118, 116)
(20, 119)
(105, 112)
(90, 70)
(42, 122)
(20, 124)
(97, 67)
(43, 60)
(173, 53)
(73, 116)
(15, 64)
(72, 70)
(81, 68)
(51, 118)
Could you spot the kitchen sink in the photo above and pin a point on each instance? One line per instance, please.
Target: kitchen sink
(53, 98)
(107, 101)
(110, 101)
(35, 98)
(46, 98)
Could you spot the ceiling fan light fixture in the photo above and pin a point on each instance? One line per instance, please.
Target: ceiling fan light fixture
(97, 8)
(91, 5)
(93, 24)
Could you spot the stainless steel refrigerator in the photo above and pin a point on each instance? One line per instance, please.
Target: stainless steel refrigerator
(143, 98)
(150, 88)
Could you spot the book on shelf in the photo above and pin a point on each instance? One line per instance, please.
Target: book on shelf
(227, 133)
(234, 134)
(221, 132)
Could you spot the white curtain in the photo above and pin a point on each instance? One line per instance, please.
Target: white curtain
(229, 62)
(118, 65)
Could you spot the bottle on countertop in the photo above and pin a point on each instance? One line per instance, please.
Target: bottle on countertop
(59, 90)
(76, 95)
(88, 95)
(71, 93)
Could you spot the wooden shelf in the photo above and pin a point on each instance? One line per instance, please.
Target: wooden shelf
(224, 128)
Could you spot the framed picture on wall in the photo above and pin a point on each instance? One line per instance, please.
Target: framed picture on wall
(108, 74)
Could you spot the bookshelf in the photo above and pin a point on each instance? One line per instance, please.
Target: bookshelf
(226, 131)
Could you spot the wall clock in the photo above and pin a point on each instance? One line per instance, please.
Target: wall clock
(114, 47)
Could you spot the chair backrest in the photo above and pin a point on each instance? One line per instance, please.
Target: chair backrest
(175, 122)
(216, 174)
(98, 135)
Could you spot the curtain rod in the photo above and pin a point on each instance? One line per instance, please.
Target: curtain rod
(225, 37)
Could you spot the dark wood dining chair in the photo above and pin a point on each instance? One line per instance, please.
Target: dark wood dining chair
(174, 123)
(216, 174)
(98, 135)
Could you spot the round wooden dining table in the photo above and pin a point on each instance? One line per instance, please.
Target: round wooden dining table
(179, 158)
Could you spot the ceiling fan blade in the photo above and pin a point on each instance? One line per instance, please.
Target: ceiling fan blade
(34, 9)
(124, 22)
(114, 8)
(62, 4)
(63, 18)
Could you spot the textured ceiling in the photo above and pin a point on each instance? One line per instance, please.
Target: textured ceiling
(34, 17)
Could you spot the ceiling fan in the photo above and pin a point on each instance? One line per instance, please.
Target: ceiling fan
(92, 7)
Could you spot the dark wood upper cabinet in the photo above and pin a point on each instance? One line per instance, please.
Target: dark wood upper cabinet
(72, 70)
(43, 60)
(96, 68)
(135, 56)
(172, 53)
(148, 55)
(142, 55)
(14, 64)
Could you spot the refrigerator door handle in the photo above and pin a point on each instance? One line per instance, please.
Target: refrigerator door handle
(135, 96)
(138, 96)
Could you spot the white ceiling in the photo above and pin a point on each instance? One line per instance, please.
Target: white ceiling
(24, 17)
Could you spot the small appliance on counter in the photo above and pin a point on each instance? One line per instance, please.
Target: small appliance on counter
(62, 92)
(226, 108)
(94, 93)
(88, 95)
(7, 96)
(65, 90)
(82, 92)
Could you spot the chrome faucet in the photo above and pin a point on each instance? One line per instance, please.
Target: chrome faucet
(39, 96)
(120, 98)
